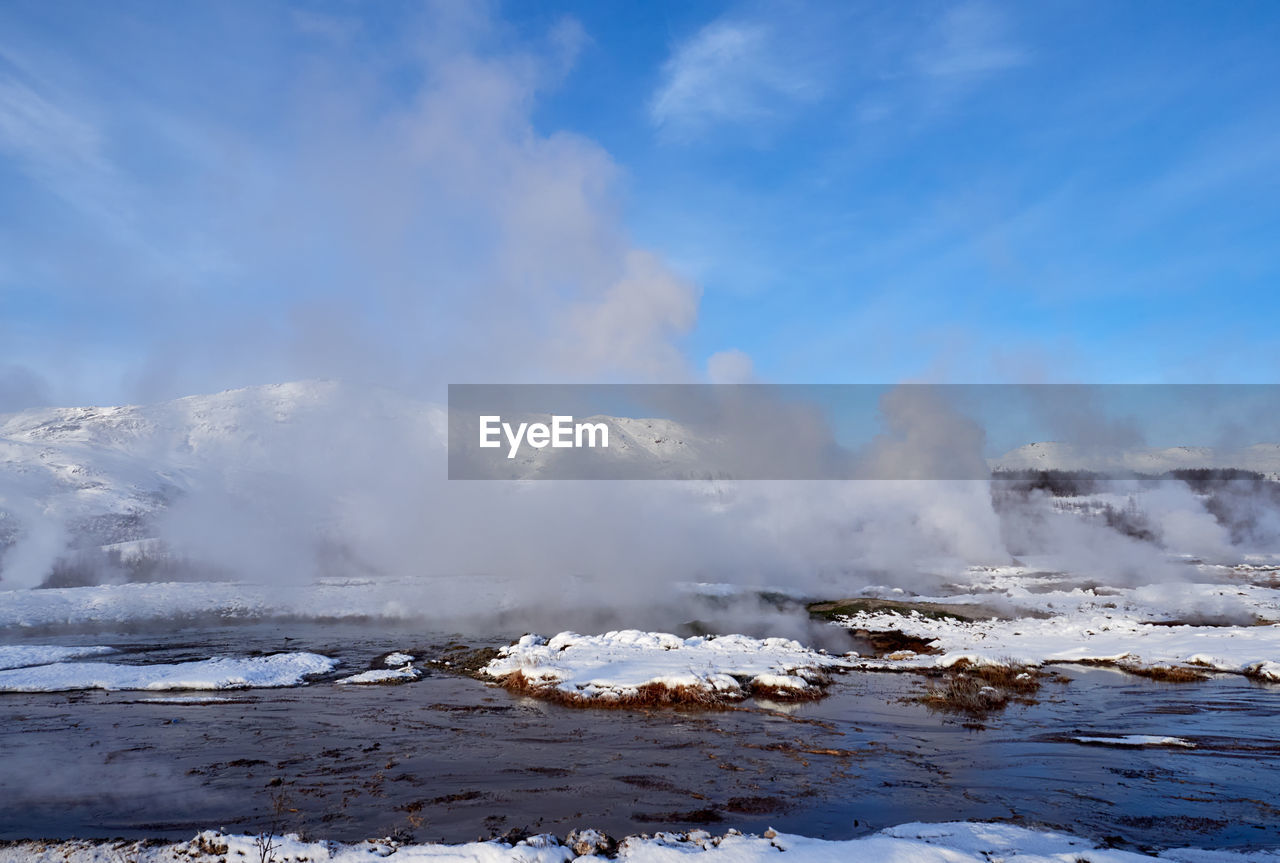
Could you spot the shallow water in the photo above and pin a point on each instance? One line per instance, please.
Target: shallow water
(449, 758)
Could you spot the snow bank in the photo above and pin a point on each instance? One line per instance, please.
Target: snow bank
(1103, 639)
(20, 656)
(631, 666)
(381, 676)
(959, 842)
(399, 669)
(1144, 627)
(282, 669)
(1081, 637)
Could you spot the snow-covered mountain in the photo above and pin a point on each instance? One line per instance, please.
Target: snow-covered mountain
(85, 477)
(103, 470)
(1262, 458)
(82, 478)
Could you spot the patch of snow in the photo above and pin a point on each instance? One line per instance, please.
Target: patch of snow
(1266, 670)
(282, 669)
(395, 660)
(1080, 637)
(22, 655)
(617, 665)
(1151, 625)
(382, 675)
(1136, 740)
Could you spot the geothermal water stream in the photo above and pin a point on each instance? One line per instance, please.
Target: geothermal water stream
(450, 758)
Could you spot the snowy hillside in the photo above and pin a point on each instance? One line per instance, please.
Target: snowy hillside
(104, 469)
(75, 478)
(1262, 458)
(101, 477)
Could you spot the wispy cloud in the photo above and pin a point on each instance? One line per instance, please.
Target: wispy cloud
(730, 71)
(760, 66)
(52, 142)
(970, 40)
(405, 228)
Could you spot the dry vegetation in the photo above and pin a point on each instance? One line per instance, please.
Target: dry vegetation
(662, 695)
(977, 691)
(837, 609)
(1166, 673)
(1163, 673)
(462, 659)
(886, 643)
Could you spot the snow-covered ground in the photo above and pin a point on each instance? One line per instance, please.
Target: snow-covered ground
(104, 605)
(22, 655)
(380, 676)
(631, 665)
(282, 669)
(398, 669)
(1047, 620)
(957, 842)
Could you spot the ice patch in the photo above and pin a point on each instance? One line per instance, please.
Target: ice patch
(191, 699)
(395, 660)
(282, 669)
(1136, 740)
(624, 665)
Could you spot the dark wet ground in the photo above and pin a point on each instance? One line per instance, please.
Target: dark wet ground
(449, 758)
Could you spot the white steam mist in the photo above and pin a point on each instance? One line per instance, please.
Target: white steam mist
(406, 222)
(300, 485)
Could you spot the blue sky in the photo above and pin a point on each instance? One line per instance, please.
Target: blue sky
(215, 195)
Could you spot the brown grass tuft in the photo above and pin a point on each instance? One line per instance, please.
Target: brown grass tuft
(778, 693)
(462, 659)
(1166, 673)
(886, 642)
(982, 689)
(649, 695)
(961, 693)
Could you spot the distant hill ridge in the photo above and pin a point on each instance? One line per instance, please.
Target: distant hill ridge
(1263, 458)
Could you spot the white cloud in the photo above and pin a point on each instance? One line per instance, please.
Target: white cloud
(54, 143)
(730, 71)
(761, 64)
(408, 229)
(970, 40)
